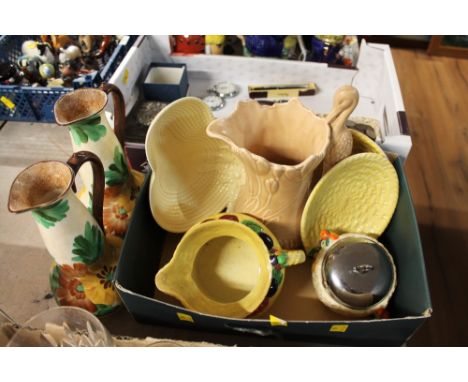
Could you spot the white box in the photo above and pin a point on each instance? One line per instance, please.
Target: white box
(375, 78)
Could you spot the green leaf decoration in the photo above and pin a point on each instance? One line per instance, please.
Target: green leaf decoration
(48, 216)
(88, 248)
(90, 207)
(253, 226)
(277, 275)
(118, 171)
(54, 278)
(102, 309)
(89, 129)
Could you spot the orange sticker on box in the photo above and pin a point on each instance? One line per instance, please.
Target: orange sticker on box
(185, 317)
(7, 102)
(339, 328)
(275, 321)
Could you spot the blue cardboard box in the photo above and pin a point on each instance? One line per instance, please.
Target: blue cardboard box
(165, 82)
(147, 246)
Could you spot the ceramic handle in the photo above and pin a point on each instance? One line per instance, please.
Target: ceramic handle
(119, 110)
(75, 162)
(294, 257)
(344, 101)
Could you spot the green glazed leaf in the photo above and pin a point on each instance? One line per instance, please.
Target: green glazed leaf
(54, 278)
(48, 216)
(252, 225)
(118, 171)
(277, 275)
(88, 247)
(102, 309)
(89, 129)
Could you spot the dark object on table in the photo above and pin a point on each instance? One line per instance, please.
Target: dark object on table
(140, 118)
(264, 45)
(148, 110)
(10, 73)
(233, 46)
(325, 48)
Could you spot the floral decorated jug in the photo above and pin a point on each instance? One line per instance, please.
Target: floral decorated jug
(82, 111)
(85, 261)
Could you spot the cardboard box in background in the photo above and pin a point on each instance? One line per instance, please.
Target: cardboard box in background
(297, 314)
(375, 78)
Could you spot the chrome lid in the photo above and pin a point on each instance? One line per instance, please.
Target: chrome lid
(358, 272)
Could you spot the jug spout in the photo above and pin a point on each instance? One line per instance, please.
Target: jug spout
(39, 186)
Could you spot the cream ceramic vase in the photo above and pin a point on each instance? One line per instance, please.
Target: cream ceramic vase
(82, 111)
(229, 265)
(280, 146)
(85, 263)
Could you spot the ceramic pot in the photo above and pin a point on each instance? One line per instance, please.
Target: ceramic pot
(82, 111)
(280, 146)
(228, 265)
(353, 274)
(84, 262)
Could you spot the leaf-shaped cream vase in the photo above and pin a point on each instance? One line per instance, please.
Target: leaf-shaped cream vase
(280, 146)
(194, 176)
(341, 144)
(84, 262)
(82, 111)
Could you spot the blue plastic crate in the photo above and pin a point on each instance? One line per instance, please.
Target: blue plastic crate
(36, 104)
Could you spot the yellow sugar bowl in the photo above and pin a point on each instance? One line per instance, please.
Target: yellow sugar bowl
(228, 265)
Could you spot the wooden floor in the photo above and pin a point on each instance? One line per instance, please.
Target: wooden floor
(435, 93)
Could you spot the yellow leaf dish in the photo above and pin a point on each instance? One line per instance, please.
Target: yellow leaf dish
(194, 176)
(358, 195)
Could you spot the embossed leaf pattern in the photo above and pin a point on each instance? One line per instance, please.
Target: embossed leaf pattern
(118, 170)
(90, 129)
(87, 248)
(48, 216)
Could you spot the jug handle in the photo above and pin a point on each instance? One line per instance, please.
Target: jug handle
(119, 110)
(75, 162)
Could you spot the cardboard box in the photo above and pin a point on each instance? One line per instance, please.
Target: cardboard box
(375, 78)
(297, 314)
(165, 82)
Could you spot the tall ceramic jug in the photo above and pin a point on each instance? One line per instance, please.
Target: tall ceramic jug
(82, 111)
(84, 262)
(280, 147)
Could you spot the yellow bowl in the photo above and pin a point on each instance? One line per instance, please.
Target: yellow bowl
(358, 195)
(363, 144)
(228, 265)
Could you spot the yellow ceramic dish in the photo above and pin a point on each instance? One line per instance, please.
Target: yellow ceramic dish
(194, 176)
(363, 144)
(228, 265)
(358, 195)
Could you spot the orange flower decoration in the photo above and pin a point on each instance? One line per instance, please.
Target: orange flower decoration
(70, 290)
(119, 202)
